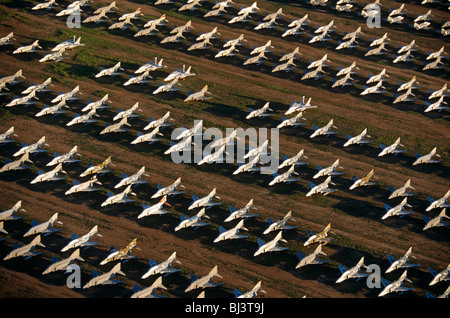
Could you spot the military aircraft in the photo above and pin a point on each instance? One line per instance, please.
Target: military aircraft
(39, 88)
(295, 54)
(170, 87)
(71, 95)
(53, 110)
(442, 276)
(116, 128)
(402, 191)
(249, 9)
(358, 140)
(205, 281)
(270, 24)
(215, 157)
(129, 113)
(380, 50)
(284, 177)
(213, 34)
(280, 224)
(301, 106)
(5, 138)
(156, 209)
(187, 27)
(294, 160)
(344, 81)
(194, 221)
(231, 234)
(12, 79)
(243, 212)
(164, 268)
(112, 71)
(439, 203)
(71, 9)
(32, 48)
(392, 149)
(106, 278)
(266, 48)
(147, 32)
(161, 21)
(365, 181)
(402, 262)
(11, 214)
(25, 100)
(176, 38)
(200, 95)
(239, 41)
(438, 105)
(33, 148)
(182, 145)
(324, 131)
(83, 241)
(169, 190)
(231, 51)
(299, 22)
(314, 74)
(310, 259)
(407, 57)
(133, 179)
(141, 79)
(258, 59)
(68, 44)
(86, 186)
(271, 246)
(107, 9)
(6, 39)
(51, 175)
(435, 65)
(250, 294)
(348, 70)
(375, 89)
(65, 158)
(85, 119)
(121, 197)
(285, 67)
(382, 76)
(408, 96)
(206, 201)
(261, 112)
(322, 188)
(45, 228)
(132, 15)
(160, 122)
(249, 166)
(396, 210)
(202, 45)
(396, 286)
(27, 251)
(97, 105)
(123, 254)
(258, 151)
(61, 265)
(353, 272)
(349, 44)
(434, 94)
(18, 164)
(328, 171)
(191, 5)
(321, 238)
(294, 31)
(97, 18)
(148, 292)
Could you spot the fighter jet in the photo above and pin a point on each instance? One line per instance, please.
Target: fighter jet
(84, 119)
(156, 209)
(261, 112)
(284, 177)
(176, 38)
(123, 254)
(121, 197)
(435, 65)
(11, 214)
(191, 5)
(45, 228)
(200, 95)
(129, 113)
(325, 130)
(106, 278)
(161, 21)
(442, 276)
(83, 241)
(164, 268)
(231, 234)
(32, 48)
(382, 76)
(39, 88)
(402, 191)
(151, 66)
(187, 27)
(328, 171)
(249, 166)
(194, 221)
(243, 212)
(396, 286)
(67, 96)
(321, 238)
(295, 160)
(5, 138)
(86, 186)
(202, 45)
(438, 105)
(239, 41)
(133, 179)
(375, 89)
(408, 96)
(116, 128)
(25, 100)
(249, 9)
(169, 190)
(322, 188)
(258, 59)
(97, 18)
(53, 110)
(270, 24)
(18, 164)
(301, 106)
(206, 201)
(65, 158)
(231, 51)
(397, 210)
(380, 50)
(148, 292)
(266, 48)
(311, 259)
(12, 79)
(182, 145)
(132, 15)
(107, 9)
(392, 149)
(213, 34)
(353, 272)
(365, 181)
(250, 294)
(51, 175)
(344, 81)
(97, 105)
(271, 246)
(68, 44)
(439, 203)
(294, 31)
(196, 130)
(170, 87)
(205, 281)
(358, 140)
(299, 22)
(112, 71)
(280, 224)
(214, 157)
(27, 251)
(33, 148)
(61, 265)
(407, 57)
(141, 79)
(402, 262)
(6, 39)
(434, 94)
(348, 70)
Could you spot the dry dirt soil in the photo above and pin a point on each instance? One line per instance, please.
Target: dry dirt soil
(355, 215)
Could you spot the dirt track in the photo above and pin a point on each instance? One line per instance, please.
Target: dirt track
(355, 215)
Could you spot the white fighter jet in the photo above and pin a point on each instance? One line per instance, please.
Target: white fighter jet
(160, 122)
(25, 100)
(194, 221)
(375, 89)
(121, 197)
(310, 259)
(97, 105)
(258, 59)
(27, 251)
(346, 80)
(53, 110)
(175, 38)
(392, 149)
(62, 265)
(85, 119)
(11, 214)
(428, 158)
(396, 286)
(231, 234)
(402, 191)
(6, 39)
(434, 94)
(119, 127)
(266, 48)
(358, 140)
(52, 175)
(5, 138)
(132, 15)
(33, 148)
(322, 188)
(12, 79)
(353, 272)
(156, 209)
(200, 95)
(151, 66)
(133, 179)
(382, 76)
(148, 292)
(442, 276)
(284, 177)
(169, 190)
(206, 201)
(401, 262)
(164, 267)
(437, 105)
(397, 210)
(439, 203)
(65, 158)
(271, 246)
(205, 281)
(243, 212)
(251, 293)
(97, 18)
(71, 95)
(123, 254)
(106, 278)
(161, 21)
(239, 41)
(45, 228)
(280, 224)
(321, 237)
(83, 241)
(325, 130)
(18, 164)
(249, 9)
(39, 88)
(249, 166)
(328, 171)
(301, 106)
(32, 48)
(295, 160)
(140, 79)
(261, 112)
(129, 113)
(169, 87)
(112, 71)
(182, 145)
(107, 9)
(86, 186)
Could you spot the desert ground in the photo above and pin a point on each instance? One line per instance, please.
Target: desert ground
(355, 215)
